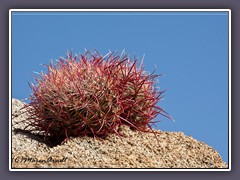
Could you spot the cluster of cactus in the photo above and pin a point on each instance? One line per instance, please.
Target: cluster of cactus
(92, 95)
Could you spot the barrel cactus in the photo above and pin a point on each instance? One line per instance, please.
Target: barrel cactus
(92, 95)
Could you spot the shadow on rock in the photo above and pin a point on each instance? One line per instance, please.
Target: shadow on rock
(48, 140)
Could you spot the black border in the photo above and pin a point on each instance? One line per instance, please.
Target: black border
(122, 169)
(5, 5)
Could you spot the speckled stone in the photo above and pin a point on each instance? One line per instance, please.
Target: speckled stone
(135, 150)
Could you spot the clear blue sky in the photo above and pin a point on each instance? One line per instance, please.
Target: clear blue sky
(189, 48)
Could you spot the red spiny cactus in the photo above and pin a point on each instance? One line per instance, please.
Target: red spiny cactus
(92, 95)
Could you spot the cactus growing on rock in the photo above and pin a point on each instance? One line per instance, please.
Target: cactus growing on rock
(93, 95)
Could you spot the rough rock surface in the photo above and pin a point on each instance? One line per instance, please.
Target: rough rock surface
(136, 150)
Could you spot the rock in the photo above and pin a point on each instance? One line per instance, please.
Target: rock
(134, 150)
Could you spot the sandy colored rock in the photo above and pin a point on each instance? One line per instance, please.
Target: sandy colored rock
(135, 150)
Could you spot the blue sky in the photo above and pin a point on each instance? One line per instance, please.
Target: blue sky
(189, 48)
